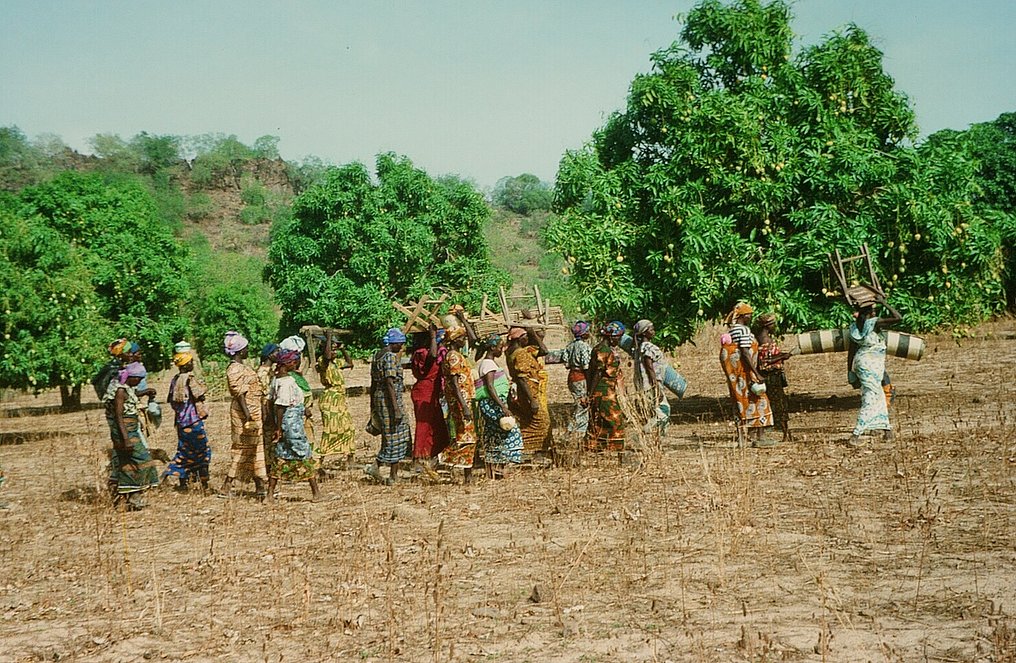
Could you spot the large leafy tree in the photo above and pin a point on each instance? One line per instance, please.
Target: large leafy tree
(51, 332)
(992, 145)
(136, 268)
(354, 244)
(738, 164)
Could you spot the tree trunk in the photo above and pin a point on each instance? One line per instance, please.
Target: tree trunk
(70, 397)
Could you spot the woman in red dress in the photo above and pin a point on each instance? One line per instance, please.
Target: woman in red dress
(431, 429)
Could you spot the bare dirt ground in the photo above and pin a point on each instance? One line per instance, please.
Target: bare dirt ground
(810, 551)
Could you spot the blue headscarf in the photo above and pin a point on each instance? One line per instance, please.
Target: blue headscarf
(614, 328)
(394, 335)
(268, 350)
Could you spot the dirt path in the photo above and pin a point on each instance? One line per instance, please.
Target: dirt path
(805, 552)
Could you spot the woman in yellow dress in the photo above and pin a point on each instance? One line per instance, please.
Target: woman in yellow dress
(337, 433)
(529, 374)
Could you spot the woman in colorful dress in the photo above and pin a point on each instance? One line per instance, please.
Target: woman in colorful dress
(770, 365)
(431, 430)
(292, 456)
(530, 377)
(266, 374)
(388, 416)
(499, 432)
(248, 451)
(186, 397)
(296, 344)
(606, 419)
(132, 469)
(576, 357)
(337, 433)
(650, 366)
(869, 366)
(739, 360)
(459, 391)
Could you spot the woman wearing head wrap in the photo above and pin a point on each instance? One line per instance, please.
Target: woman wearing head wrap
(458, 391)
(431, 430)
(650, 365)
(186, 397)
(110, 369)
(770, 365)
(530, 376)
(606, 419)
(292, 456)
(337, 433)
(868, 364)
(132, 469)
(386, 410)
(501, 439)
(576, 358)
(248, 451)
(738, 358)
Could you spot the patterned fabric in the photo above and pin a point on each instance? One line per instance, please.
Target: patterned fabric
(394, 335)
(461, 432)
(431, 429)
(185, 389)
(776, 382)
(651, 350)
(577, 355)
(266, 375)
(499, 446)
(396, 436)
(753, 411)
(580, 413)
(614, 328)
(580, 328)
(293, 457)
(869, 367)
(337, 433)
(248, 451)
(234, 342)
(606, 419)
(500, 379)
(193, 455)
(146, 474)
(741, 336)
(740, 309)
(525, 365)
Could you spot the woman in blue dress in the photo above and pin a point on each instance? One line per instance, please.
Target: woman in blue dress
(868, 365)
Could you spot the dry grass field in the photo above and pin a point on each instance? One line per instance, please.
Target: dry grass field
(810, 551)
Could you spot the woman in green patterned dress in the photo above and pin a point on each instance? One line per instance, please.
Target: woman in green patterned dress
(293, 457)
(132, 469)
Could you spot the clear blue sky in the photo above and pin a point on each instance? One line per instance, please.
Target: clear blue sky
(475, 87)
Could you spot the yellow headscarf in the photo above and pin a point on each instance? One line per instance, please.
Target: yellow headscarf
(742, 308)
(182, 358)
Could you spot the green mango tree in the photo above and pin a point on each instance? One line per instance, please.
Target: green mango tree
(354, 244)
(738, 164)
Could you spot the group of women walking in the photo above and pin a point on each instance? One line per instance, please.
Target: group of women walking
(489, 410)
(465, 415)
(754, 368)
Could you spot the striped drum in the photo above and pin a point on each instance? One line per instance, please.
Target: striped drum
(905, 346)
(826, 340)
(898, 344)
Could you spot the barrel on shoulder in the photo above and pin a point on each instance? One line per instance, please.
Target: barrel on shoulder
(898, 344)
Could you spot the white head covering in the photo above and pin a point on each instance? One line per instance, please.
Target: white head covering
(294, 343)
